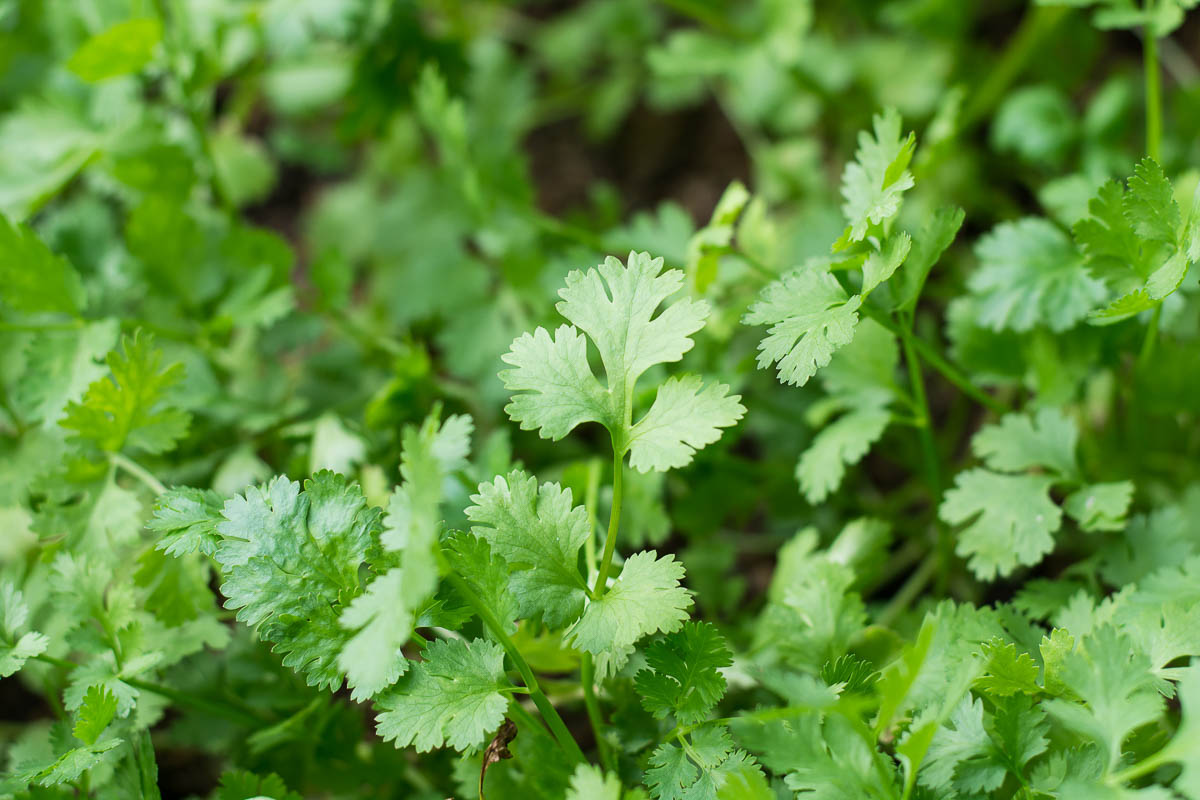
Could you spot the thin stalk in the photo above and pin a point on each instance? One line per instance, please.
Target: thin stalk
(1153, 150)
(934, 359)
(1147, 351)
(587, 678)
(928, 453)
(192, 113)
(587, 665)
(136, 470)
(589, 502)
(912, 587)
(196, 703)
(1022, 47)
(1143, 767)
(614, 522)
(1153, 95)
(565, 740)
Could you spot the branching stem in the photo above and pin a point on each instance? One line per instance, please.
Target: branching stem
(565, 740)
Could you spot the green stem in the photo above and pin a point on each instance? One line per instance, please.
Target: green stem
(1025, 43)
(910, 590)
(565, 740)
(934, 359)
(592, 494)
(587, 677)
(1147, 351)
(1153, 95)
(196, 703)
(191, 112)
(136, 470)
(928, 453)
(614, 522)
(1143, 767)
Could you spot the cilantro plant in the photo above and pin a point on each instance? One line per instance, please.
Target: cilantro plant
(599, 401)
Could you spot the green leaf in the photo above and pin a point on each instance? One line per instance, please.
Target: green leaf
(1150, 203)
(62, 364)
(699, 771)
(1114, 681)
(241, 785)
(1012, 520)
(1030, 275)
(1100, 506)
(452, 698)
(874, 183)
(881, 264)
(67, 767)
(928, 246)
(839, 445)
(645, 599)
(685, 417)
(589, 782)
(1007, 671)
(129, 409)
(187, 520)
(961, 745)
(556, 388)
(17, 645)
(290, 559)
(98, 709)
(615, 305)
(32, 277)
(539, 533)
(1018, 442)
(810, 317)
(382, 617)
(123, 49)
(683, 674)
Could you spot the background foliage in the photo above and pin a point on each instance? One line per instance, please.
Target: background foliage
(913, 517)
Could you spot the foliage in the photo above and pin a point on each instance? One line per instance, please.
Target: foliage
(604, 401)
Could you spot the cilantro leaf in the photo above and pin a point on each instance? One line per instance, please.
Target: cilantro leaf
(685, 416)
(129, 408)
(270, 532)
(32, 277)
(452, 698)
(591, 783)
(1100, 506)
(1012, 520)
(187, 520)
(1031, 275)
(1018, 442)
(615, 306)
(700, 770)
(644, 599)
(239, 785)
(556, 388)
(683, 675)
(882, 264)
(874, 183)
(17, 644)
(1007, 671)
(840, 444)
(98, 709)
(1113, 679)
(928, 246)
(810, 316)
(62, 364)
(539, 533)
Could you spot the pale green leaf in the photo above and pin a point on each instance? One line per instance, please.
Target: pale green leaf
(453, 698)
(810, 317)
(684, 417)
